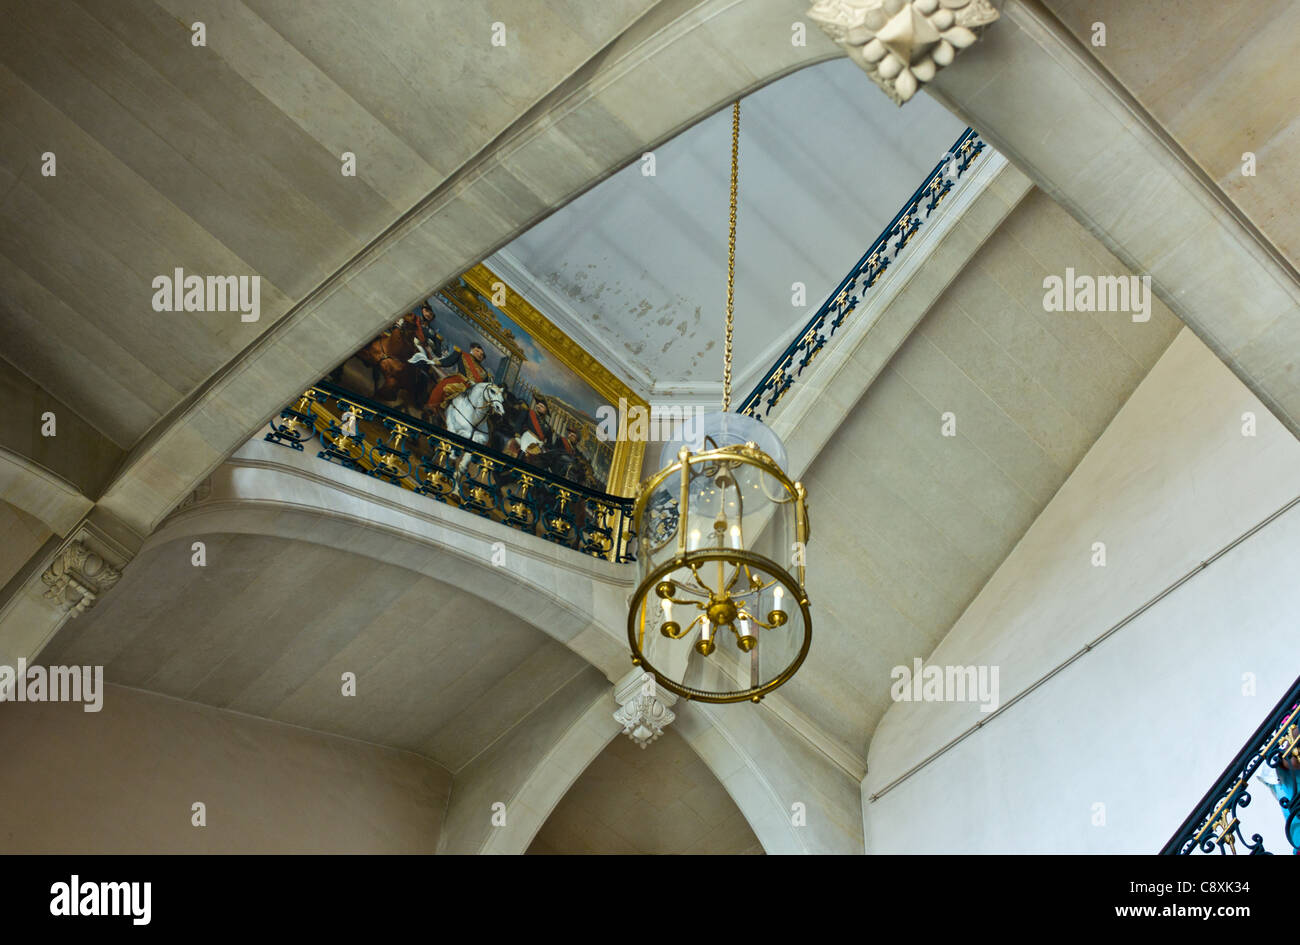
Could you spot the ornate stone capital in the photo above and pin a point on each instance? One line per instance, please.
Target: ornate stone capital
(643, 707)
(901, 44)
(77, 578)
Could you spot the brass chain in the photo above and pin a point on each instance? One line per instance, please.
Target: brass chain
(731, 256)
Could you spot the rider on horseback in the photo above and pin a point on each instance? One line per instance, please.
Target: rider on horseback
(428, 343)
(389, 357)
(471, 372)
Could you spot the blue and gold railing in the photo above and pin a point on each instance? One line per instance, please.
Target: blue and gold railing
(1273, 751)
(366, 436)
(848, 296)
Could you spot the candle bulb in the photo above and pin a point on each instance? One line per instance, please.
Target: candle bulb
(777, 617)
(735, 535)
(746, 639)
(669, 628)
(704, 645)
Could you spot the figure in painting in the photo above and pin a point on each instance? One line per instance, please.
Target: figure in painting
(468, 370)
(529, 435)
(388, 359)
(525, 405)
(428, 342)
(539, 428)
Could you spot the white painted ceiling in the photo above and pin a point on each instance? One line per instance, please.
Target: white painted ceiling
(635, 269)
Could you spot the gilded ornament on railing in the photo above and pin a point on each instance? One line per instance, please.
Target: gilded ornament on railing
(1271, 757)
(456, 471)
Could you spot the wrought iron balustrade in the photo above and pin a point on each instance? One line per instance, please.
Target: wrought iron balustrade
(367, 436)
(848, 296)
(1272, 759)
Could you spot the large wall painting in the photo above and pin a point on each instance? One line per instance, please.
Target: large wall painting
(475, 359)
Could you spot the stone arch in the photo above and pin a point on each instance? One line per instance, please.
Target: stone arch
(555, 774)
(737, 745)
(762, 762)
(269, 490)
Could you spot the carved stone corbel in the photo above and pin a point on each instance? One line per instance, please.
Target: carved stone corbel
(901, 44)
(77, 578)
(643, 707)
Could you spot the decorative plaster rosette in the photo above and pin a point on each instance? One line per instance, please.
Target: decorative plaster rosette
(901, 44)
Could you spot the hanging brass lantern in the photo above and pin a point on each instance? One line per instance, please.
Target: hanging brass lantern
(720, 613)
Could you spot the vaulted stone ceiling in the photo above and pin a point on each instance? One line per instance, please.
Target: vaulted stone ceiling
(269, 626)
(20, 536)
(1217, 78)
(657, 799)
(227, 159)
(636, 267)
(908, 524)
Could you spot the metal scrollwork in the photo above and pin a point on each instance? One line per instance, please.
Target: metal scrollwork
(295, 424)
(821, 328)
(378, 442)
(1272, 757)
(662, 512)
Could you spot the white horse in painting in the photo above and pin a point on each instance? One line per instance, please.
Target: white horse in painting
(467, 415)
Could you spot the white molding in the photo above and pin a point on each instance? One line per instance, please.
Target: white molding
(704, 392)
(644, 709)
(555, 307)
(286, 488)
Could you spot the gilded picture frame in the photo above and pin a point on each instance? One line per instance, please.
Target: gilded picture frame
(625, 466)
